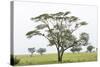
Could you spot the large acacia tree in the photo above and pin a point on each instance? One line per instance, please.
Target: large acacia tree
(58, 29)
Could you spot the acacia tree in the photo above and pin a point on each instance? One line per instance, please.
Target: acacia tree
(75, 49)
(58, 29)
(90, 48)
(78, 49)
(72, 50)
(41, 51)
(31, 50)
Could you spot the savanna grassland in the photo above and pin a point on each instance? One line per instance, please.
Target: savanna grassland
(52, 58)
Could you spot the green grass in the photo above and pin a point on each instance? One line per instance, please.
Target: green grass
(52, 58)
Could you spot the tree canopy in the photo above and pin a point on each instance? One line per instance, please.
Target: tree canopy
(76, 49)
(41, 50)
(31, 50)
(90, 48)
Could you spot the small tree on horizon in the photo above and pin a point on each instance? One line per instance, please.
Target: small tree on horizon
(76, 49)
(72, 50)
(41, 51)
(31, 50)
(90, 48)
(58, 30)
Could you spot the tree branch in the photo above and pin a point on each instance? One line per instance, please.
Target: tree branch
(51, 33)
(68, 47)
(75, 29)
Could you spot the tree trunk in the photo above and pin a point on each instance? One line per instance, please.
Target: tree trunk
(78, 51)
(31, 54)
(59, 58)
(41, 54)
(60, 55)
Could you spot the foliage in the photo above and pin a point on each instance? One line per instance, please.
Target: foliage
(41, 51)
(31, 50)
(72, 50)
(59, 28)
(76, 49)
(90, 48)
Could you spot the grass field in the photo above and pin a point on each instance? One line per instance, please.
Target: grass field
(52, 58)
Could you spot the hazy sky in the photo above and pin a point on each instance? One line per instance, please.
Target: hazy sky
(23, 11)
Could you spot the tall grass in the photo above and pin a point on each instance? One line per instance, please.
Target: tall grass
(52, 58)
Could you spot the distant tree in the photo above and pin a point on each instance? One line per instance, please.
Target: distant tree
(41, 51)
(31, 50)
(94, 51)
(76, 49)
(90, 48)
(72, 50)
(58, 30)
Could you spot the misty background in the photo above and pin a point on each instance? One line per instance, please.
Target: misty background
(23, 11)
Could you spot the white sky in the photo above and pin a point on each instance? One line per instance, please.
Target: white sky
(23, 11)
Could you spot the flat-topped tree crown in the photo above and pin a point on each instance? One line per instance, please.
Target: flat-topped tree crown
(31, 50)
